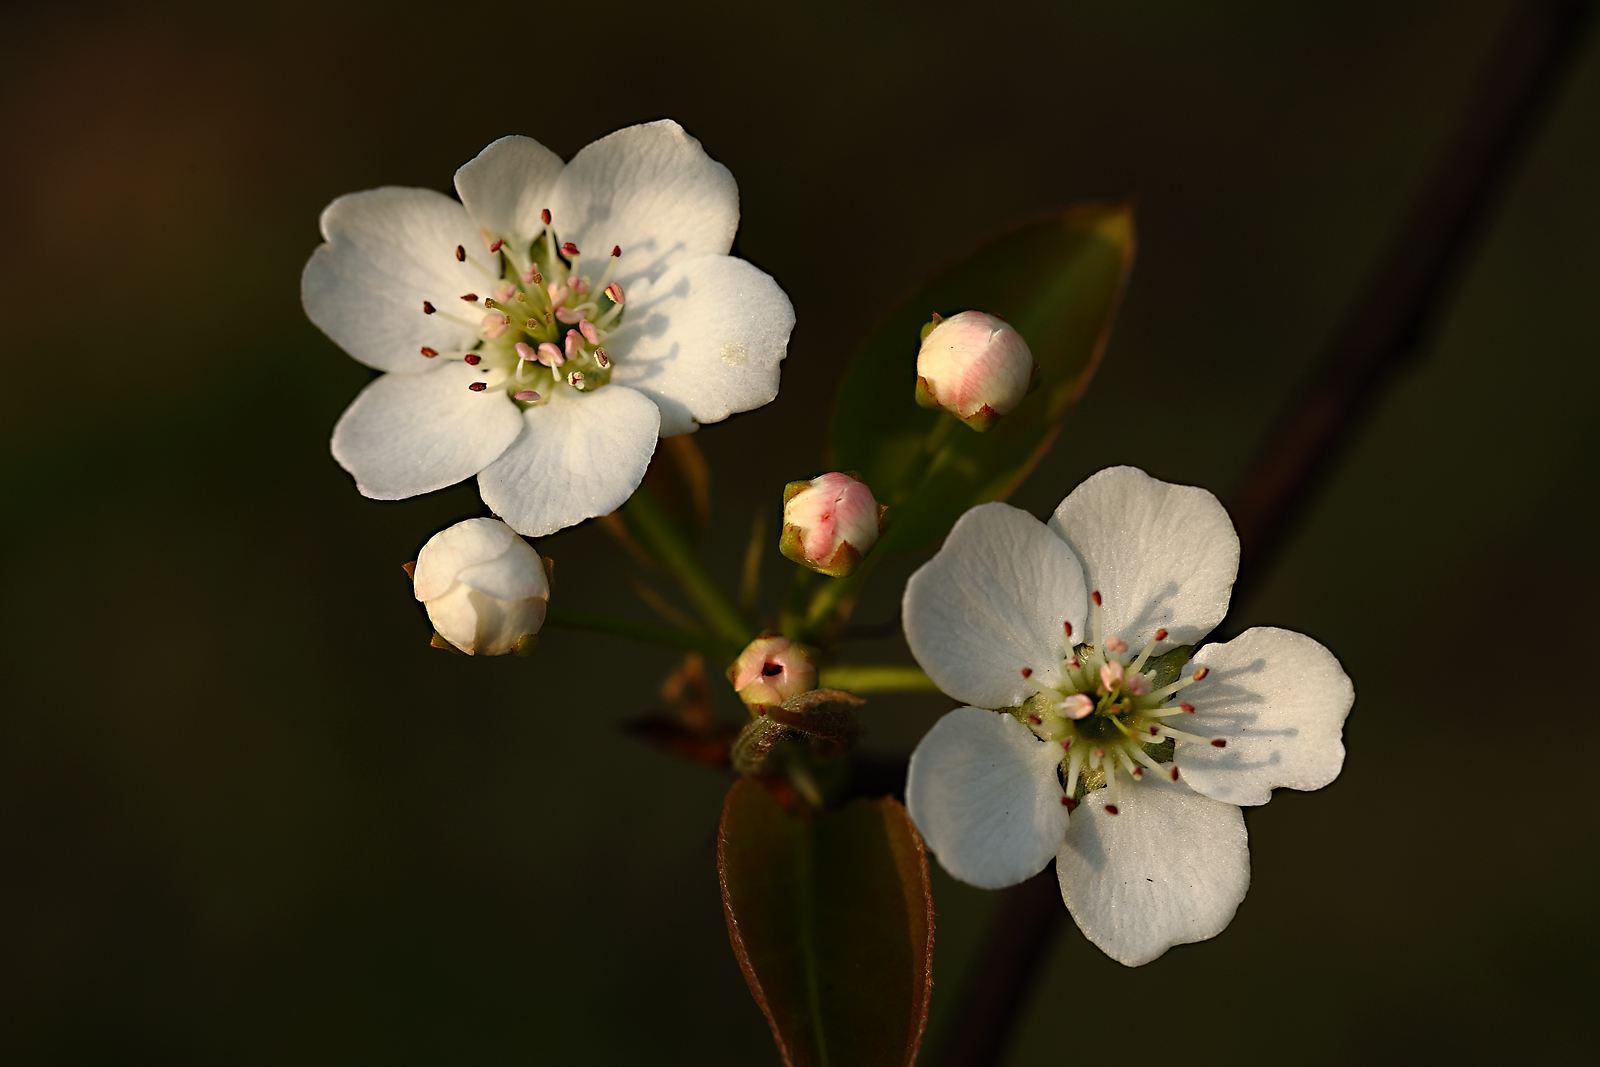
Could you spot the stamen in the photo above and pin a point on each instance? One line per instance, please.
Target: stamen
(527, 396)
(461, 254)
(1112, 809)
(550, 355)
(602, 360)
(471, 298)
(544, 216)
(1201, 673)
(427, 308)
(1219, 742)
(614, 291)
(1111, 675)
(429, 352)
(575, 379)
(590, 334)
(498, 244)
(616, 251)
(477, 387)
(1068, 803)
(1074, 766)
(569, 249)
(1027, 672)
(1077, 706)
(472, 359)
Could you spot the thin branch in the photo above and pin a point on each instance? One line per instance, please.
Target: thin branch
(1382, 333)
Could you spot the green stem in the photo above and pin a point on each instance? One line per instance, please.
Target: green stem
(653, 527)
(649, 633)
(876, 678)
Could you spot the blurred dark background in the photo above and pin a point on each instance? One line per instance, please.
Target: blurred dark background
(248, 816)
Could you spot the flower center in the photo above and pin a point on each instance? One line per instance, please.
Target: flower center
(545, 320)
(1107, 712)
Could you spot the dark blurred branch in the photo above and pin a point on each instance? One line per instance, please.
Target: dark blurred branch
(1381, 334)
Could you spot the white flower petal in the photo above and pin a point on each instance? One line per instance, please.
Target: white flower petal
(486, 555)
(1170, 868)
(992, 602)
(389, 250)
(1161, 555)
(705, 341)
(1280, 700)
(406, 434)
(580, 455)
(506, 185)
(982, 791)
(651, 189)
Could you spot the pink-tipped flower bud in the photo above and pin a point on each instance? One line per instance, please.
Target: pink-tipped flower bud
(829, 523)
(771, 670)
(974, 366)
(485, 588)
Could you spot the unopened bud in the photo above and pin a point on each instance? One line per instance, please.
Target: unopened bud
(485, 588)
(974, 366)
(771, 670)
(829, 523)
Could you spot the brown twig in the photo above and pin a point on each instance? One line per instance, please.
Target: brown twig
(1381, 334)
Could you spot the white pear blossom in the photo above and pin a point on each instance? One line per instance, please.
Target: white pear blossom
(772, 669)
(975, 366)
(543, 331)
(485, 588)
(1131, 783)
(829, 522)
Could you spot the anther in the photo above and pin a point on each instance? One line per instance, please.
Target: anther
(471, 298)
(1188, 709)
(1155, 731)
(427, 308)
(589, 332)
(1027, 672)
(569, 249)
(477, 387)
(1077, 706)
(1068, 803)
(614, 291)
(1095, 596)
(1116, 644)
(498, 244)
(1220, 742)
(1161, 635)
(544, 216)
(1067, 626)
(602, 360)
(1035, 720)
(575, 379)
(461, 254)
(1137, 774)
(472, 359)
(527, 396)
(616, 250)
(1112, 809)
(1201, 673)
(550, 355)
(429, 352)
(1174, 773)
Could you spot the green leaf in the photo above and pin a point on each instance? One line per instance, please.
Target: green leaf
(831, 918)
(1059, 282)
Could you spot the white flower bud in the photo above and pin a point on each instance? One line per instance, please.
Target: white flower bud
(974, 366)
(771, 670)
(485, 588)
(829, 523)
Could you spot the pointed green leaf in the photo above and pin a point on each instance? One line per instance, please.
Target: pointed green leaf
(1059, 282)
(831, 918)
